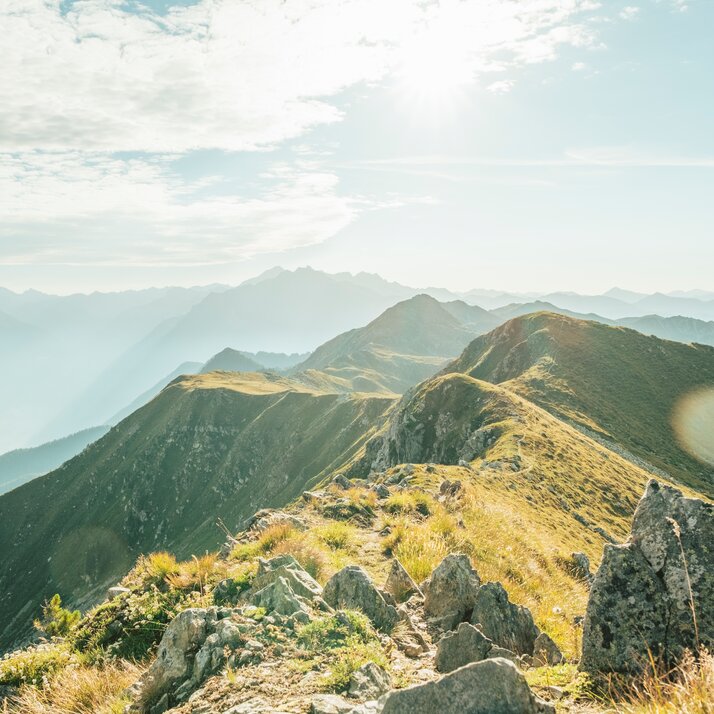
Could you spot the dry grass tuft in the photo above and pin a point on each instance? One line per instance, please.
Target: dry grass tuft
(79, 690)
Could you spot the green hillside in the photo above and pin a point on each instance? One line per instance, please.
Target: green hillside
(209, 447)
(619, 384)
(403, 346)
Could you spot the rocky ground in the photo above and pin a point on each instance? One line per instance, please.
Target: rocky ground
(261, 629)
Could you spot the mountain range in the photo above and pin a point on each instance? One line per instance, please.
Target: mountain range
(587, 403)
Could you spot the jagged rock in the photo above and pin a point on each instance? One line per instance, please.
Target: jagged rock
(450, 489)
(381, 490)
(370, 681)
(450, 592)
(399, 583)
(642, 596)
(545, 651)
(226, 592)
(174, 658)
(161, 706)
(408, 638)
(279, 597)
(466, 645)
(508, 625)
(676, 536)
(493, 686)
(330, 704)
(352, 589)
(342, 481)
(581, 566)
(285, 566)
(511, 656)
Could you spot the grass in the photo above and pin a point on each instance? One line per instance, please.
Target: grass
(34, 665)
(689, 689)
(336, 535)
(410, 502)
(79, 690)
(343, 642)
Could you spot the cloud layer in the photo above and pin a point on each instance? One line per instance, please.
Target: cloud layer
(84, 83)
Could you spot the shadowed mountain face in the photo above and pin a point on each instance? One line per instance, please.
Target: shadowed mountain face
(614, 382)
(210, 446)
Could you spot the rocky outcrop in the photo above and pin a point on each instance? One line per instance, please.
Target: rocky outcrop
(493, 686)
(450, 592)
(351, 589)
(370, 681)
(456, 649)
(545, 651)
(399, 583)
(654, 595)
(285, 566)
(279, 597)
(508, 625)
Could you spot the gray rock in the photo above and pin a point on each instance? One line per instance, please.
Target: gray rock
(330, 704)
(265, 518)
(676, 536)
(370, 681)
(508, 625)
(342, 481)
(285, 566)
(256, 705)
(642, 595)
(626, 614)
(451, 591)
(399, 583)
(493, 686)
(279, 597)
(351, 588)
(581, 566)
(381, 490)
(466, 645)
(174, 659)
(451, 489)
(116, 591)
(546, 652)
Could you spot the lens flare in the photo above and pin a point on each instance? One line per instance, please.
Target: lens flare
(693, 423)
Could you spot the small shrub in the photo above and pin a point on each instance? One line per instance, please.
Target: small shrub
(349, 659)
(160, 565)
(34, 665)
(337, 630)
(56, 621)
(336, 535)
(194, 573)
(265, 543)
(410, 502)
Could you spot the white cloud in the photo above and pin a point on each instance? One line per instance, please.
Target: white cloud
(501, 87)
(578, 66)
(629, 12)
(84, 84)
(71, 208)
(234, 75)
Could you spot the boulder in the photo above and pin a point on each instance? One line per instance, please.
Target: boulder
(116, 591)
(266, 517)
(370, 681)
(399, 583)
(342, 482)
(466, 645)
(351, 588)
(643, 594)
(174, 661)
(581, 566)
(546, 652)
(676, 536)
(508, 625)
(493, 686)
(285, 566)
(450, 592)
(330, 704)
(279, 597)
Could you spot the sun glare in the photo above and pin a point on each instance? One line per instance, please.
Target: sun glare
(432, 71)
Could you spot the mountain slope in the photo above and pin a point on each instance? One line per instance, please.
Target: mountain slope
(404, 345)
(19, 466)
(216, 446)
(229, 360)
(621, 385)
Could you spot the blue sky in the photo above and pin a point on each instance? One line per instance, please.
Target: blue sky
(557, 144)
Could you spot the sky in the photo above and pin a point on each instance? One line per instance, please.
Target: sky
(521, 145)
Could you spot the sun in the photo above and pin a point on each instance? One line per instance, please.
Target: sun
(433, 71)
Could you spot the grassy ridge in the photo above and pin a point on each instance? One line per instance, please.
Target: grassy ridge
(614, 381)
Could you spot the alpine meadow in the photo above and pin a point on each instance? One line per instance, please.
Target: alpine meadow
(356, 357)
